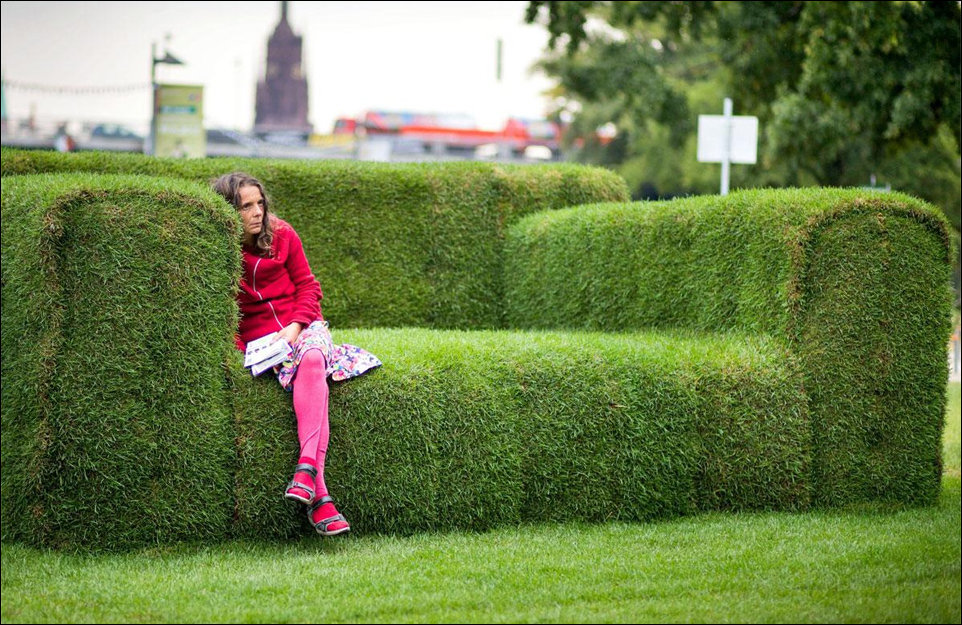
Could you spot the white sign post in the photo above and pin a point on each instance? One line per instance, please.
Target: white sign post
(727, 139)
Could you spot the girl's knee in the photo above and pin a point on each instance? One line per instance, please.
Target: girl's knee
(313, 358)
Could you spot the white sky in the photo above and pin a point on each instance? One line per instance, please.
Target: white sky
(419, 56)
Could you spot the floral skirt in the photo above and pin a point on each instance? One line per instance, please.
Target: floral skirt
(343, 361)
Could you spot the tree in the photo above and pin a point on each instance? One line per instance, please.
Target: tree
(843, 90)
(875, 79)
(644, 81)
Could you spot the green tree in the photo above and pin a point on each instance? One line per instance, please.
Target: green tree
(844, 90)
(876, 78)
(646, 82)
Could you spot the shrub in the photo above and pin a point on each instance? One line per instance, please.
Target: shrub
(854, 284)
(117, 318)
(393, 245)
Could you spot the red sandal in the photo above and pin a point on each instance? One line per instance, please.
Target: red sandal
(294, 486)
(323, 526)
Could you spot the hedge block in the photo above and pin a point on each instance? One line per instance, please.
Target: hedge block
(393, 245)
(115, 427)
(766, 350)
(473, 430)
(854, 284)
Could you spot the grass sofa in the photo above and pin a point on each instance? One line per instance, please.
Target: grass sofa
(768, 350)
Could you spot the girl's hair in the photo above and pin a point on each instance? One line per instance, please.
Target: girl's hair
(228, 187)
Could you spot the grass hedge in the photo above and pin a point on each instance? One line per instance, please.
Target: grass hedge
(394, 245)
(122, 427)
(116, 427)
(854, 284)
(119, 309)
(467, 429)
(771, 349)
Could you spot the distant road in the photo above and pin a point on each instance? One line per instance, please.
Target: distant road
(265, 150)
(379, 149)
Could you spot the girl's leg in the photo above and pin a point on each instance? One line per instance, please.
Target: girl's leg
(311, 395)
(310, 407)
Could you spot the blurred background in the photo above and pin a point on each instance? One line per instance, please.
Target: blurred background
(279, 76)
(862, 94)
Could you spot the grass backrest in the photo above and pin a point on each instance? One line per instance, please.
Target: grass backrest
(393, 245)
(855, 284)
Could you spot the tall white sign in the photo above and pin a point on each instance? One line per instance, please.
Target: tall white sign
(727, 139)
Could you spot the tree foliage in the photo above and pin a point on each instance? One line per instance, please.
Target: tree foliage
(845, 91)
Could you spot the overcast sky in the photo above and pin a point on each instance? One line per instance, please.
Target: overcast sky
(90, 61)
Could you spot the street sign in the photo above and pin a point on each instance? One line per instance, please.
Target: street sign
(179, 121)
(738, 135)
(727, 139)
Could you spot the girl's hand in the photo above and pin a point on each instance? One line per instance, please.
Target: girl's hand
(290, 333)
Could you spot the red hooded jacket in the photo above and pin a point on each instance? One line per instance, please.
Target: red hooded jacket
(278, 290)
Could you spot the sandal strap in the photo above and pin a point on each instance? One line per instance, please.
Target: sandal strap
(329, 521)
(306, 468)
(323, 524)
(320, 502)
(302, 486)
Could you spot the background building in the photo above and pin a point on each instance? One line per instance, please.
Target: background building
(281, 104)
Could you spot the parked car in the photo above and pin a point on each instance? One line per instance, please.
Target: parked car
(114, 131)
(112, 138)
(226, 142)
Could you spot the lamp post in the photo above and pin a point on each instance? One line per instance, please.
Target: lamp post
(168, 59)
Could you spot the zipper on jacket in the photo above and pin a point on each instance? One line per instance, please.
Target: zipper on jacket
(254, 287)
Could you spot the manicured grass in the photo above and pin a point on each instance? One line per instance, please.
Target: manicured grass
(953, 431)
(845, 278)
(871, 564)
(856, 566)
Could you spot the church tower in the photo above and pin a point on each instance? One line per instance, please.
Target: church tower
(281, 106)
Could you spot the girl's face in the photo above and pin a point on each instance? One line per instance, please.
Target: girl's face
(251, 211)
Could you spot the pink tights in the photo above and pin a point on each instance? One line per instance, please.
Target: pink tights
(313, 431)
(310, 406)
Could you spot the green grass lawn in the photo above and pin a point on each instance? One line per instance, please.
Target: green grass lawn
(951, 437)
(872, 564)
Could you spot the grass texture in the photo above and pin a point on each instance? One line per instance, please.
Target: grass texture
(953, 431)
(762, 399)
(118, 293)
(478, 430)
(872, 565)
(116, 427)
(855, 286)
(868, 564)
(393, 244)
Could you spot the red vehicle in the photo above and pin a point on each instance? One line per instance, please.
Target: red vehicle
(458, 132)
(344, 126)
(523, 133)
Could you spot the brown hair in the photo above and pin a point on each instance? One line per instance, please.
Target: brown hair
(228, 187)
